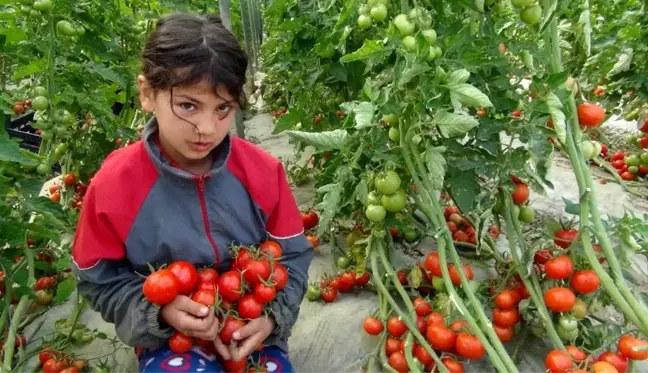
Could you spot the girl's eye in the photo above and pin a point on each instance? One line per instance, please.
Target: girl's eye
(187, 106)
(224, 108)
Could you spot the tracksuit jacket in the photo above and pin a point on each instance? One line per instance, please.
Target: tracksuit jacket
(140, 210)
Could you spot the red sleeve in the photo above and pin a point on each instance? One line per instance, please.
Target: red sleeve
(284, 220)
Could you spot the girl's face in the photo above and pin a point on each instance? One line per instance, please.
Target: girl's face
(192, 123)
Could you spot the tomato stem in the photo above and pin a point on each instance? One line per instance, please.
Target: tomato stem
(411, 363)
(376, 251)
(78, 309)
(500, 358)
(13, 332)
(513, 234)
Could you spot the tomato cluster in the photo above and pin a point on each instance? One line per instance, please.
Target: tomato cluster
(242, 293)
(53, 361)
(577, 361)
(329, 286)
(70, 183)
(432, 271)
(280, 113)
(461, 229)
(631, 166)
(388, 197)
(21, 106)
(310, 219)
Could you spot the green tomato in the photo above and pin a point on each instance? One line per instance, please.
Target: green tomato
(47, 135)
(521, 4)
(515, 212)
(568, 323)
(34, 13)
(588, 150)
(409, 44)
(567, 335)
(25, 11)
(440, 73)
(390, 119)
(527, 214)
(313, 293)
(394, 202)
(80, 30)
(632, 139)
(373, 199)
(632, 160)
(410, 235)
(579, 311)
(375, 213)
(40, 91)
(61, 148)
(43, 169)
(60, 131)
(437, 284)
(388, 183)
(404, 26)
(633, 169)
(420, 17)
(394, 134)
(26, 2)
(364, 22)
(597, 147)
(438, 51)
(343, 262)
(40, 103)
(430, 35)
(65, 28)
(67, 117)
(531, 15)
(43, 5)
(364, 9)
(644, 158)
(379, 12)
(432, 55)
(498, 207)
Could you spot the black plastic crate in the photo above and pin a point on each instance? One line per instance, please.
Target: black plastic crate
(19, 128)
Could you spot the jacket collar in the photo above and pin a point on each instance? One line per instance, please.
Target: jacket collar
(220, 154)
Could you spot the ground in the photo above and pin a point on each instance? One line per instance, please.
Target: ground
(329, 337)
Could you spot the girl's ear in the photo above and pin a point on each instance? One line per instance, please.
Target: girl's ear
(147, 96)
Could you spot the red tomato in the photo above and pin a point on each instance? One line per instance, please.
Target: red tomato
(618, 164)
(55, 197)
(53, 366)
(392, 345)
(559, 299)
(186, 274)
(45, 355)
(422, 307)
(372, 326)
(441, 338)
(618, 156)
(432, 263)
(521, 193)
(363, 279)
(347, 281)
(627, 345)
(229, 326)
(564, 238)
(617, 359)
(627, 176)
(161, 287)
(435, 318)
(264, 294)
(506, 318)
(208, 275)
(516, 114)
(559, 268)
(469, 347)
(272, 249)
(313, 240)
(235, 366)
(459, 326)
(643, 142)
(603, 367)
(585, 281)
(460, 236)
(422, 355)
(180, 343)
(402, 277)
(280, 276)
(241, 259)
(257, 271)
(396, 327)
(507, 299)
(329, 294)
(558, 362)
(398, 362)
(309, 220)
(505, 334)
(453, 365)
(450, 210)
(229, 286)
(454, 274)
(44, 282)
(590, 115)
(542, 256)
(249, 307)
(576, 353)
(70, 179)
(206, 297)
(70, 370)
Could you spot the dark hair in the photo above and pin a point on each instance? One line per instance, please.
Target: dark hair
(186, 48)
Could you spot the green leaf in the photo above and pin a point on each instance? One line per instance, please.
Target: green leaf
(3, 41)
(364, 113)
(468, 95)
(571, 207)
(458, 76)
(623, 62)
(288, 121)
(464, 187)
(108, 74)
(556, 80)
(411, 73)
(370, 49)
(33, 67)
(65, 288)
(328, 140)
(585, 29)
(454, 124)
(30, 187)
(558, 117)
(329, 208)
(11, 152)
(436, 165)
(11, 234)
(361, 192)
(348, 10)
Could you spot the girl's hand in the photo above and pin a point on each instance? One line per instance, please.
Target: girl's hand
(246, 339)
(190, 318)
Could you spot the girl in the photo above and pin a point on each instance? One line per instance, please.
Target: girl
(188, 191)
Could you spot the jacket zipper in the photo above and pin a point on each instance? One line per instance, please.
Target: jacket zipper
(203, 208)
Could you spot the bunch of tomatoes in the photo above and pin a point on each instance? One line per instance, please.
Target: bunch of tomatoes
(461, 229)
(70, 182)
(57, 362)
(329, 286)
(280, 113)
(244, 292)
(630, 166)
(21, 106)
(454, 342)
(629, 347)
(388, 197)
(310, 219)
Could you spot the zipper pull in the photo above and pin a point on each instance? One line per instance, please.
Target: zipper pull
(201, 184)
